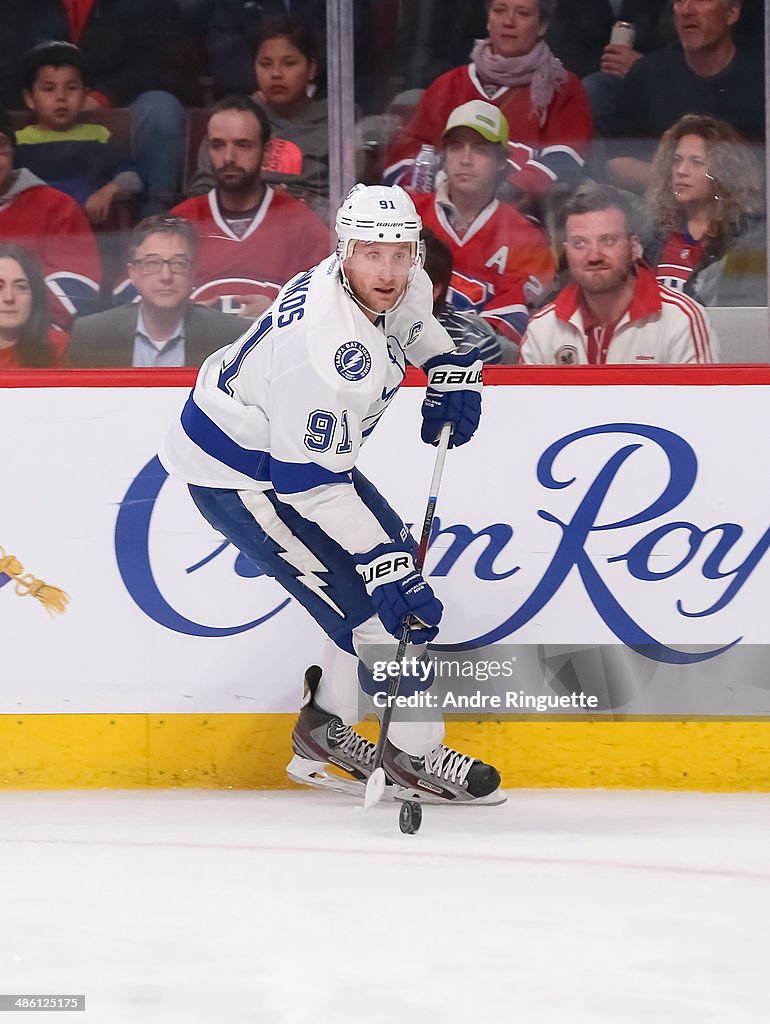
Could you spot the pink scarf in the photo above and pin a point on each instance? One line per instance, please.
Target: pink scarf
(539, 69)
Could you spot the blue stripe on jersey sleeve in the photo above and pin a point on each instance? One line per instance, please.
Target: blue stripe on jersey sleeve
(204, 432)
(293, 477)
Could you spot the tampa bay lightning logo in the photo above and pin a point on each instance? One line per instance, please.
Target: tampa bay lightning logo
(352, 361)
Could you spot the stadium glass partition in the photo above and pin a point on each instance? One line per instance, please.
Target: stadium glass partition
(379, 57)
(425, 40)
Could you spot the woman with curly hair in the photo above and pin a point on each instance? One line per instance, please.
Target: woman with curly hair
(706, 202)
(26, 337)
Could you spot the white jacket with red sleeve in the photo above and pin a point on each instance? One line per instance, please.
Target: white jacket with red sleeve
(659, 326)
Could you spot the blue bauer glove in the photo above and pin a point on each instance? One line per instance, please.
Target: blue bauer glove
(453, 396)
(398, 590)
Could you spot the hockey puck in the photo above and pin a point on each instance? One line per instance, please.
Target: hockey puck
(410, 817)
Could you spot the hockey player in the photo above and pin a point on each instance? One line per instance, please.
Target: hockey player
(268, 442)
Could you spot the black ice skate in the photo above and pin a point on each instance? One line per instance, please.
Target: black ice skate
(321, 739)
(442, 776)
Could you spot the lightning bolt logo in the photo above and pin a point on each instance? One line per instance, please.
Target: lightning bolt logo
(307, 564)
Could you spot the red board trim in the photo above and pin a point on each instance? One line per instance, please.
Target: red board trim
(572, 376)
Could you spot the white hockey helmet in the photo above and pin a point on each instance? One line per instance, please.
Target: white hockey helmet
(377, 213)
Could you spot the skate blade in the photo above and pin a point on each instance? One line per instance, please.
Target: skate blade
(493, 799)
(314, 773)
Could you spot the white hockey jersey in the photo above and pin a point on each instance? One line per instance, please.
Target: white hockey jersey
(290, 403)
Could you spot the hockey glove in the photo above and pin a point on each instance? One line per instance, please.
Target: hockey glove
(398, 590)
(453, 396)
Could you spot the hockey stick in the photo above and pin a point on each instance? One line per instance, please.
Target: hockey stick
(375, 784)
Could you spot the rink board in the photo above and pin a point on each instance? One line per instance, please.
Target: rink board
(177, 665)
(250, 751)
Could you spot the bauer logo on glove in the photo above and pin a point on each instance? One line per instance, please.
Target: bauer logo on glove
(453, 396)
(455, 378)
(398, 590)
(392, 567)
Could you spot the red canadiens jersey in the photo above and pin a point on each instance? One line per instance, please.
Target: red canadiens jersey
(679, 256)
(53, 227)
(284, 238)
(502, 264)
(538, 154)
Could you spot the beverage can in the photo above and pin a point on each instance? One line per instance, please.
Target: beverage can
(623, 34)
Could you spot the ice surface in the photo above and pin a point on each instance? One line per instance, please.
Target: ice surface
(275, 908)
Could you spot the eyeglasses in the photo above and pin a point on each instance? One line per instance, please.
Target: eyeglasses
(154, 264)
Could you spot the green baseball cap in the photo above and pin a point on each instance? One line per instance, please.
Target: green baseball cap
(484, 118)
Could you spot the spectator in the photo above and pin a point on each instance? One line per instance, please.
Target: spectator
(251, 238)
(26, 339)
(704, 73)
(579, 31)
(164, 328)
(546, 108)
(462, 328)
(76, 158)
(706, 199)
(579, 34)
(614, 311)
(54, 228)
(236, 24)
(502, 262)
(297, 159)
(234, 30)
(128, 47)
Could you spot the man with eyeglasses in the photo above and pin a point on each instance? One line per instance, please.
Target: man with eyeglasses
(614, 310)
(164, 328)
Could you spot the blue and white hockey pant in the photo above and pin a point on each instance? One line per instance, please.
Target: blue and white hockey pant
(322, 576)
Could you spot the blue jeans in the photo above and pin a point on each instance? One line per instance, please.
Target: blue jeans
(159, 118)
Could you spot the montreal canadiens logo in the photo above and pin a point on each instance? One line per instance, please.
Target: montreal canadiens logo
(566, 356)
(352, 361)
